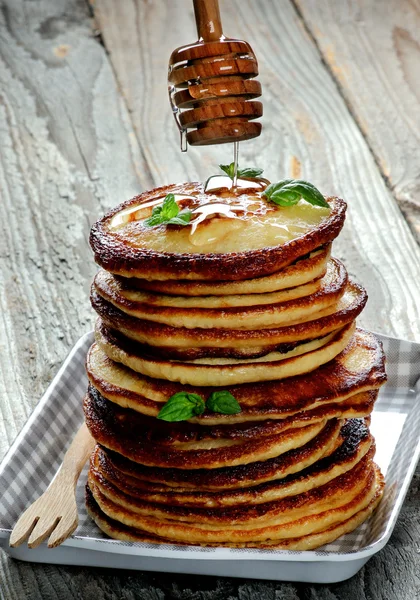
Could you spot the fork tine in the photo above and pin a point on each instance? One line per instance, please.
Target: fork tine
(58, 499)
(41, 531)
(63, 530)
(23, 528)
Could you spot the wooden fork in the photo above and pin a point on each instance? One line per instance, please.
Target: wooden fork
(55, 512)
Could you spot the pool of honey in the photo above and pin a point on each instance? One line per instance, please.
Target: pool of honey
(224, 219)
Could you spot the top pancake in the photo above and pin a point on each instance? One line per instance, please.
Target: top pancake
(260, 239)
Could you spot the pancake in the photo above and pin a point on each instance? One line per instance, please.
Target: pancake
(264, 239)
(122, 532)
(324, 507)
(198, 435)
(192, 354)
(239, 295)
(338, 314)
(178, 311)
(304, 270)
(150, 443)
(276, 512)
(139, 302)
(354, 442)
(119, 423)
(214, 373)
(242, 477)
(357, 405)
(359, 368)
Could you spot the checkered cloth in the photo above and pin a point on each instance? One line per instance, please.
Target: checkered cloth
(38, 451)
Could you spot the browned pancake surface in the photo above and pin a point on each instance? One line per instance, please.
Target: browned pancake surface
(332, 287)
(305, 269)
(360, 367)
(148, 332)
(340, 454)
(116, 251)
(120, 531)
(323, 511)
(283, 510)
(161, 444)
(242, 476)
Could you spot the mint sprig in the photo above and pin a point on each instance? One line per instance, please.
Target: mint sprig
(223, 402)
(168, 213)
(289, 191)
(183, 406)
(247, 172)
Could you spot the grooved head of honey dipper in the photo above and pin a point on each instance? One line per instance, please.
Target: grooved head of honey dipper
(212, 90)
(223, 133)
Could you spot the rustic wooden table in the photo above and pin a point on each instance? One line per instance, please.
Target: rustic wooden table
(85, 124)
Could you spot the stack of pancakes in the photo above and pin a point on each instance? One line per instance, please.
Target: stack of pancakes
(246, 299)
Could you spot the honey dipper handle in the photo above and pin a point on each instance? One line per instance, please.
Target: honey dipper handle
(207, 18)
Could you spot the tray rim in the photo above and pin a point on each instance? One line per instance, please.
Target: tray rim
(188, 553)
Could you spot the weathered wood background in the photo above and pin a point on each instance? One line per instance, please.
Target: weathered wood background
(85, 123)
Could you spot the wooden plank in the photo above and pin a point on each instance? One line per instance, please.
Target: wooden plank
(308, 131)
(67, 154)
(373, 50)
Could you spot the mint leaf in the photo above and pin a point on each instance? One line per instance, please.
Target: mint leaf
(168, 214)
(248, 172)
(289, 191)
(183, 218)
(155, 219)
(169, 207)
(228, 169)
(223, 402)
(182, 406)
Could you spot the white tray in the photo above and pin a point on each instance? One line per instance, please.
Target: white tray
(37, 453)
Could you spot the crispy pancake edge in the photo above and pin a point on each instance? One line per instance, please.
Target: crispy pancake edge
(242, 476)
(350, 451)
(274, 399)
(118, 257)
(306, 525)
(314, 266)
(117, 530)
(161, 335)
(332, 288)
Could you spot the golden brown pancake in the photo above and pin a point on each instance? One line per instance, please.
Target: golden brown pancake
(153, 443)
(264, 239)
(179, 311)
(122, 532)
(139, 302)
(243, 476)
(197, 434)
(359, 368)
(318, 352)
(297, 516)
(179, 444)
(244, 341)
(304, 270)
(191, 354)
(329, 495)
(354, 442)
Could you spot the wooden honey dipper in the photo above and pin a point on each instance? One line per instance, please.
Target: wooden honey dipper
(210, 84)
